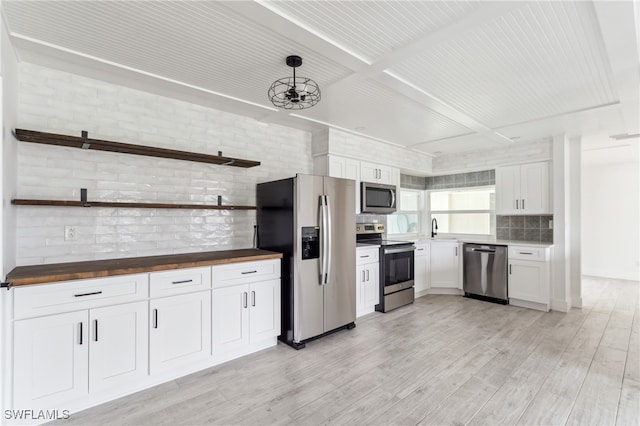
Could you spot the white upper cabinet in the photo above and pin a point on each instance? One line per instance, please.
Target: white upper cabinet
(377, 173)
(523, 189)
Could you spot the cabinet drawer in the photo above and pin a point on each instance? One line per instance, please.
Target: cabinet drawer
(179, 281)
(422, 249)
(245, 272)
(367, 255)
(527, 253)
(46, 299)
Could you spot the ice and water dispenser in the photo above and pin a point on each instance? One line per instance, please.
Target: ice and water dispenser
(310, 242)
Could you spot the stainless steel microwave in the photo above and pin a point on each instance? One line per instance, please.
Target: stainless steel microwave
(377, 198)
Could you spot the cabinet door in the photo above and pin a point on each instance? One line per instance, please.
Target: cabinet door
(352, 171)
(527, 281)
(371, 285)
(180, 330)
(386, 175)
(230, 318)
(421, 278)
(534, 188)
(264, 313)
(369, 172)
(51, 360)
(119, 345)
(508, 190)
(444, 263)
(337, 166)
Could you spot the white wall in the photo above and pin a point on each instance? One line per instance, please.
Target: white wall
(611, 215)
(508, 154)
(338, 142)
(59, 102)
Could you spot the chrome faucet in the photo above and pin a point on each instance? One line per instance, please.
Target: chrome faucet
(434, 232)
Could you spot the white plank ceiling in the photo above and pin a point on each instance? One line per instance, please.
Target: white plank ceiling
(437, 77)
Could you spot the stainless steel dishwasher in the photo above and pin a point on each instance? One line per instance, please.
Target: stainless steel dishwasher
(485, 272)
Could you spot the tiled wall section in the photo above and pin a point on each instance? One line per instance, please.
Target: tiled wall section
(459, 180)
(514, 153)
(60, 102)
(524, 228)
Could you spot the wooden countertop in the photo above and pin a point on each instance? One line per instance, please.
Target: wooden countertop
(38, 274)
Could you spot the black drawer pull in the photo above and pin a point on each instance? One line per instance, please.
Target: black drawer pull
(88, 294)
(181, 282)
(362, 257)
(525, 252)
(248, 272)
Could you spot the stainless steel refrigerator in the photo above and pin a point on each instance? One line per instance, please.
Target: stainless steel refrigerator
(311, 221)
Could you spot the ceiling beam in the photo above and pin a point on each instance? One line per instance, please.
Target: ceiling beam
(620, 33)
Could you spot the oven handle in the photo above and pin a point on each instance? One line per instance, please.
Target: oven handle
(399, 250)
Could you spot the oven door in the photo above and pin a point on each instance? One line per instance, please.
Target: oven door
(378, 198)
(397, 268)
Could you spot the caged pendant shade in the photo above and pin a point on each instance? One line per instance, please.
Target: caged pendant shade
(294, 92)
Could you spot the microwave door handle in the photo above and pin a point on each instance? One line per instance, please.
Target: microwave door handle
(393, 198)
(329, 245)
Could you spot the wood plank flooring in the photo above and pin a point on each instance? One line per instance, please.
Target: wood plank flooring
(442, 360)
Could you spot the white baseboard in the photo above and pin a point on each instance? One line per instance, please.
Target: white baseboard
(560, 305)
(576, 302)
(452, 291)
(530, 305)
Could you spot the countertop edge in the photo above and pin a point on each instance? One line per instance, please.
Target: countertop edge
(37, 274)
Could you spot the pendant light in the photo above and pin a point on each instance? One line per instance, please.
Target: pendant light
(294, 92)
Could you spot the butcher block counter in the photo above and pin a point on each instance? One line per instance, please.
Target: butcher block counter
(38, 274)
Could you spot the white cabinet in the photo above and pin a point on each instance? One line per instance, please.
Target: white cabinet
(180, 330)
(421, 272)
(377, 173)
(529, 277)
(367, 280)
(51, 360)
(63, 357)
(118, 345)
(444, 265)
(523, 189)
(246, 305)
(340, 167)
(243, 314)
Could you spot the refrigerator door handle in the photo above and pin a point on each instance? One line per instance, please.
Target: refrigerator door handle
(323, 241)
(329, 242)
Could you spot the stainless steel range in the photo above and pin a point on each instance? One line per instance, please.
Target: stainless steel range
(396, 266)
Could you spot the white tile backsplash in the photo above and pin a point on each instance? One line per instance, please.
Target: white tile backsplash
(59, 102)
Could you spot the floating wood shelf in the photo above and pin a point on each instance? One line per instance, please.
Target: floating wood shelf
(84, 142)
(66, 203)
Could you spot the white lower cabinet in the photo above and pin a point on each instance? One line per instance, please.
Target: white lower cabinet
(118, 345)
(83, 342)
(243, 314)
(51, 360)
(421, 270)
(529, 277)
(62, 357)
(367, 280)
(444, 263)
(180, 332)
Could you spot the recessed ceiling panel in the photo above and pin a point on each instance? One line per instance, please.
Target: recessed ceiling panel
(199, 43)
(539, 60)
(372, 28)
(373, 109)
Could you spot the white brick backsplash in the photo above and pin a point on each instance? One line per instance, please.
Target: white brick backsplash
(59, 102)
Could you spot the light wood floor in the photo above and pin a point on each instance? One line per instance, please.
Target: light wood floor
(442, 360)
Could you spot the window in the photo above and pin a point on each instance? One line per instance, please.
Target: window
(408, 219)
(464, 211)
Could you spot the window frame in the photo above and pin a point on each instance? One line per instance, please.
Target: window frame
(492, 212)
(421, 213)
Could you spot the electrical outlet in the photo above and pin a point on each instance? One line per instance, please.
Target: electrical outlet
(70, 233)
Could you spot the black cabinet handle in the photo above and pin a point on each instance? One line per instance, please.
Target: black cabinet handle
(155, 318)
(181, 282)
(248, 272)
(80, 333)
(509, 269)
(95, 326)
(88, 294)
